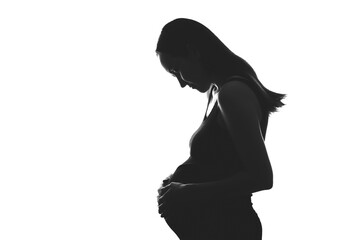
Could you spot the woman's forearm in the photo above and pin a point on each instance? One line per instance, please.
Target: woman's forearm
(242, 182)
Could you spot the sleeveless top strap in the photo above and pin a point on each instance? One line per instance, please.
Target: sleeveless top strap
(210, 98)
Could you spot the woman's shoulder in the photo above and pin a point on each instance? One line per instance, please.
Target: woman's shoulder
(236, 88)
(236, 93)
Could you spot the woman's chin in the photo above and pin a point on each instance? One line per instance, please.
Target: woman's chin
(202, 90)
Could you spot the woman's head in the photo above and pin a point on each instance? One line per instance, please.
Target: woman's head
(183, 37)
(187, 47)
(178, 35)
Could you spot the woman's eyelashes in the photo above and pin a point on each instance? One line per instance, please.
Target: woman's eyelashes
(173, 72)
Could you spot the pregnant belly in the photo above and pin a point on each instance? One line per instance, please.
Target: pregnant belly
(184, 220)
(196, 173)
(187, 173)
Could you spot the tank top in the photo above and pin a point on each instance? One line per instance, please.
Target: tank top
(213, 155)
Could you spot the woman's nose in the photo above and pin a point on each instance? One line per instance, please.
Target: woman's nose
(182, 84)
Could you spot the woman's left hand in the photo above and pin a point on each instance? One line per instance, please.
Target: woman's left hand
(172, 197)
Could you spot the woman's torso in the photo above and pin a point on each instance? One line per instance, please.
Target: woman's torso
(212, 157)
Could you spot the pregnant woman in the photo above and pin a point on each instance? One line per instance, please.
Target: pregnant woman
(208, 197)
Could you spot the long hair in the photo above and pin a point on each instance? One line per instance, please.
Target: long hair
(177, 35)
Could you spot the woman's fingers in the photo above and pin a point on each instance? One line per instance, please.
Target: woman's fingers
(163, 197)
(163, 210)
(164, 214)
(166, 180)
(164, 184)
(161, 189)
(164, 189)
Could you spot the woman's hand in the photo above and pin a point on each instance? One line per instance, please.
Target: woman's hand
(171, 197)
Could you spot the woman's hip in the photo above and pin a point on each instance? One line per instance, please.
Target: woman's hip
(223, 223)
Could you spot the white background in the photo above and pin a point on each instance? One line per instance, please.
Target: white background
(90, 123)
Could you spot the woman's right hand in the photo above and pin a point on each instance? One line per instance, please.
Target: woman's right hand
(165, 182)
(175, 217)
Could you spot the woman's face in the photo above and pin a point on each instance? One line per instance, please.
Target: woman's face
(188, 70)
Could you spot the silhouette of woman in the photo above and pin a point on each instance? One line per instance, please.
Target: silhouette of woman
(208, 197)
